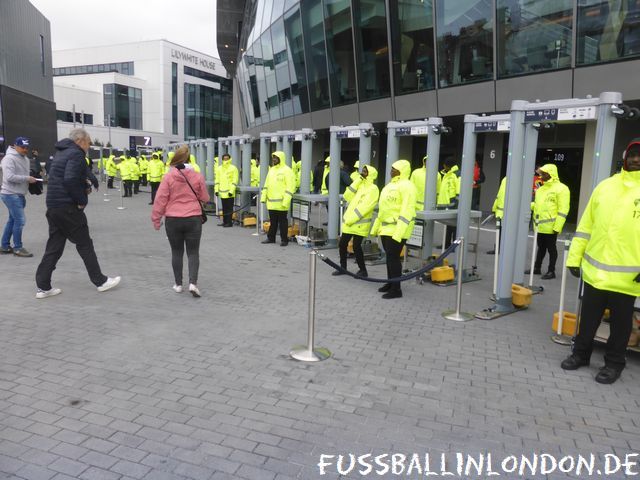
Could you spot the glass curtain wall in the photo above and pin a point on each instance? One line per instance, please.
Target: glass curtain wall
(413, 53)
(315, 53)
(465, 41)
(124, 106)
(281, 65)
(207, 112)
(261, 82)
(270, 76)
(372, 48)
(533, 35)
(342, 68)
(607, 30)
(295, 47)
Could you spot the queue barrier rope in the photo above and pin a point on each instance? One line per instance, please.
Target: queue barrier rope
(243, 207)
(402, 278)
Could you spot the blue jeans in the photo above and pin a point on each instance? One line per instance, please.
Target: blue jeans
(15, 204)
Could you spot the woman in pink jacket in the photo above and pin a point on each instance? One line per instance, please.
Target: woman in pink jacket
(180, 205)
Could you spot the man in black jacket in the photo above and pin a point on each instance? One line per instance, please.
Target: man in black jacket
(67, 192)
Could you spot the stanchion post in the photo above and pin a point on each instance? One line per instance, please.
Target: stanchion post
(121, 207)
(257, 215)
(309, 353)
(444, 238)
(457, 315)
(495, 259)
(533, 254)
(559, 337)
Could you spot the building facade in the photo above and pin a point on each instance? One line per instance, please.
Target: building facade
(155, 91)
(317, 63)
(27, 105)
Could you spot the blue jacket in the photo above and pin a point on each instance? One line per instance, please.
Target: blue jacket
(67, 176)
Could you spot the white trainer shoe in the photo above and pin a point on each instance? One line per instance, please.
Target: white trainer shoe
(177, 288)
(194, 290)
(109, 284)
(48, 293)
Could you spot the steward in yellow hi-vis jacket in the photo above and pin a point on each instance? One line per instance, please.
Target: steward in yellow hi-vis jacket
(362, 196)
(134, 173)
(155, 173)
(255, 173)
(194, 163)
(112, 170)
(448, 194)
(277, 194)
(125, 175)
(550, 209)
(227, 182)
(419, 180)
(498, 209)
(396, 215)
(606, 247)
(143, 164)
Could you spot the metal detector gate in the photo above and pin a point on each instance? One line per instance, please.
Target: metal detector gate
(362, 132)
(526, 118)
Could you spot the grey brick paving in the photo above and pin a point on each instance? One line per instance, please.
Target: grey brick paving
(142, 383)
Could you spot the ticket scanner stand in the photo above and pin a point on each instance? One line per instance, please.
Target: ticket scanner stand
(266, 139)
(362, 132)
(244, 187)
(526, 119)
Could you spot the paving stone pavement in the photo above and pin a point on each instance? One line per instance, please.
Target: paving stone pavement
(143, 383)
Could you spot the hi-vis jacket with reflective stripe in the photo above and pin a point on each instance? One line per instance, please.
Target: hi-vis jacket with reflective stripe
(449, 189)
(362, 196)
(156, 169)
(278, 186)
(419, 179)
(498, 203)
(124, 168)
(397, 206)
(110, 165)
(255, 173)
(227, 179)
(551, 203)
(607, 241)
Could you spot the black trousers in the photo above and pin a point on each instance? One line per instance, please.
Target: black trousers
(394, 263)
(278, 219)
(546, 243)
(128, 188)
(594, 302)
(110, 182)
(475, 199)
(154, 190)
(181, 232)
(357, 250)
(450, 235)
(143, 179)
(136, 186)
(227, 210)
(68, 223)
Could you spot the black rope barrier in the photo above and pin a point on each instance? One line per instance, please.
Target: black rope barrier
(402, 278)
(241, 208)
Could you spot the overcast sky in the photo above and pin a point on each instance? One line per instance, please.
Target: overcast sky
(88, 23)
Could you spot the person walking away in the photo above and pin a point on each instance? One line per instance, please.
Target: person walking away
(277, 194)
(67, 198)
(396, 215)
(227, 184)
(550, 209)
(606, 247)
(156, 172)
(449, 194)
(15, 184)
(498, 209)
(179, 201)
(362, 197)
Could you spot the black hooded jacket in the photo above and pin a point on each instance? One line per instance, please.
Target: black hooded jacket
(67, 176)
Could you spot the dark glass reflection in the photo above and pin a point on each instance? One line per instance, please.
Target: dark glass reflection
(533, 36)
(207, 112)
(315, 53)
(412, 37)
(342, 71)
(270, 75)
(372, 48)
(281, 66)
(295, 47)
(607, 30)
(252, 83)
(261, 82)
(465, 41)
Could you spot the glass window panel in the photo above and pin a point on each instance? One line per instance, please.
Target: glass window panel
(315, 53)
(413, 53)
(342, 72)
(297, 74)
(266, 14)
(281, 64)
(261, 82)
(289, 3)
(278, 9)
(270, 76)
(370, 20)
(533, 35)
(607, 30)
(465, 41)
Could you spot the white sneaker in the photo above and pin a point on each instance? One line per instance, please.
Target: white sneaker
(109, 284)
(194, 290)
(177, 288)
(48, 293)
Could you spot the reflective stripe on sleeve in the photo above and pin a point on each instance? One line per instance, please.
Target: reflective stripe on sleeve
(548, 220)
(352, 189)
(404, 220)
(562, 215)
(611, 268)
(586, 236)
(288, 193)
(362, 220)
(357, 212)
